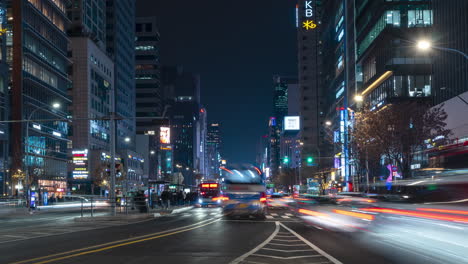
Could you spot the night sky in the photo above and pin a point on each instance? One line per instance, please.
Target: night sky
(236, 47)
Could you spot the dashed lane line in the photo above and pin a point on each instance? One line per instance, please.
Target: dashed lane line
(257, 248)
(287, 245)
(287, 240)
(282, 250)
(294, 257)
(325, 254)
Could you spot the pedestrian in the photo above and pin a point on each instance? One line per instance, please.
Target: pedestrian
(184, 200)
(180, 197)
(140, 202)
(166, 199)
(154, 199)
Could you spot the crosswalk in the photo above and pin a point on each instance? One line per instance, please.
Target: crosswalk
(285, 246)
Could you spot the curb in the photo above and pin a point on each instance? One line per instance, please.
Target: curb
(179, 210)
(112, 218)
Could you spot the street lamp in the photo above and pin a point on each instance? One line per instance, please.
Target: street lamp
(358, 98)
(328, 123)
(426, 45)
(127, 139)
(43, 108)
(152, 152)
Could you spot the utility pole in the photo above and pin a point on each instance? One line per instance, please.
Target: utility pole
(112, 165)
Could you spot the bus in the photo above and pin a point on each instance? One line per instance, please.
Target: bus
(208, 194)
(243, 192)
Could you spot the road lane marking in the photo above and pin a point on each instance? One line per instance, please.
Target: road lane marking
(124, 244)
(15, 236)
(294, 257)
(288, 214)
(282, 250)
(269, 217)
(287, 240)
(325, 254)
(285, 216)
(274, 214)
(288, 245)
(241, 258)
(285, 236)
(123, 241)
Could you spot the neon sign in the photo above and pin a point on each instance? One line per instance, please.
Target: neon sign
(309, 13)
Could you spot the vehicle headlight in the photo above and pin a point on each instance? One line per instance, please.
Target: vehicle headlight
(219, 201)
(200, 201)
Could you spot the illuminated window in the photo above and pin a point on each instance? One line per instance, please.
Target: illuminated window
(420, 18)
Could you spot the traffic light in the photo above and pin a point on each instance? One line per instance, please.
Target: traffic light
(310, 161)
(286, 160)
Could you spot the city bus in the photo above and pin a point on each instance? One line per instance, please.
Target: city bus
(243, 192)
(208, 194)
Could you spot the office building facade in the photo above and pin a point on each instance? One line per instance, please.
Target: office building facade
(149, 94)
(4, 102)
(309, 62)
(92, 94)
(38, 46)
(213, 150)
(120, 45)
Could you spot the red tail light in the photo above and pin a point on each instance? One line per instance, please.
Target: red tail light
(263, 197)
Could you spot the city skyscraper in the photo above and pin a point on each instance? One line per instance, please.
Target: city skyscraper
(88, 18)
(40, 83)
(311, 94)
(4, 101)
(149, 94)
(213, 150)
(92, 93)
(182, 92)
(281, 102)
(93, 85)
(120, 44)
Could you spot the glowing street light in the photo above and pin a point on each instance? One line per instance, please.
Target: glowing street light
(127, 139)
(56, 105)
(328, 123)
(358, 98)
(424, 45)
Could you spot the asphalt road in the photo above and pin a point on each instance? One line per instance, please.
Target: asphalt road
(203, 235)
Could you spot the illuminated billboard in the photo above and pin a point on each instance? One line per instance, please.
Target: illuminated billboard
(165, 135)
(80, 162)
(292, 123)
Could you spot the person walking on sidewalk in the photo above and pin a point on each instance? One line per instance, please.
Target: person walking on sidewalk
(166, 198)
(154, 199)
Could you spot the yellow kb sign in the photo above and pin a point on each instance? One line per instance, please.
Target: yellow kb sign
(309, 24)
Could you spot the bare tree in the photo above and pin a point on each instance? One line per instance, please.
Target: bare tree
(397, 131)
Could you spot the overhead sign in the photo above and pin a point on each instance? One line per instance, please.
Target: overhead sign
(165, 135)
(292, 123)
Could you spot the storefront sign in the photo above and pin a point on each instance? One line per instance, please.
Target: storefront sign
(80, 163)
